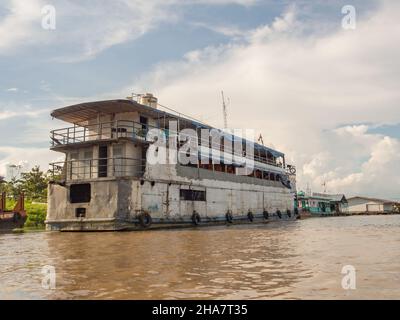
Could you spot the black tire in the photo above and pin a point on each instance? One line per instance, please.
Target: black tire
(145, 220)
(229, 217)
(279, 214)
(265, 214)
(250, 216)
(289, 213)
(196, 218)
(296, 211)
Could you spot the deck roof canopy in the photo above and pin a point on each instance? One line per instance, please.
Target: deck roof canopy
(82, 112)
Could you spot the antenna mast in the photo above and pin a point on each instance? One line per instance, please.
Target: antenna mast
(324, 185)
(224, 111)
(308, 190)
(260, 139)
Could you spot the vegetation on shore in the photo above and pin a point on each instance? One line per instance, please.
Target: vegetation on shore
(34, 186)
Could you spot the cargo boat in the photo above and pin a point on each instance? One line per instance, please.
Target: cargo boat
(110, 181)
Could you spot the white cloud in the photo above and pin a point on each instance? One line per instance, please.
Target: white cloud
(83, 30)
(300, 90)
(12, 90)
(307, 93)
(227, 30)
(283, 24)
(45, 86)
(33, 156)
(24, 112)
(377, 175)
(91, 29)
(18, 26)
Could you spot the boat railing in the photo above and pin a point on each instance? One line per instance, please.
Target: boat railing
(132, 130)
(99, 131)
(84, 169)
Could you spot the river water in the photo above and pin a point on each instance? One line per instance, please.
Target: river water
(280, 260)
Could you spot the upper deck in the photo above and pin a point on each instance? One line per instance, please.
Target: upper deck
(109, 139)
(113, 120)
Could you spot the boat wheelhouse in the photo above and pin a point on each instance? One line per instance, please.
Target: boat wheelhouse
(107, 181)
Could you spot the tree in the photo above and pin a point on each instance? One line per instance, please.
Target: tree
(3, 185)
(34, 184)
(14, 187)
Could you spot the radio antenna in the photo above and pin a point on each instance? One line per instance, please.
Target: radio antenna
(224, 110)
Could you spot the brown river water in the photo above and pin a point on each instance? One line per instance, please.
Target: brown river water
(280, 260)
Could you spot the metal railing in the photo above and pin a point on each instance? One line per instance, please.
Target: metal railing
(291, 169)
(97, 168)
(99, 131)
(131, 130)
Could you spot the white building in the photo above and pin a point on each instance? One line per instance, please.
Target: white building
(371, 205)
(14, 171)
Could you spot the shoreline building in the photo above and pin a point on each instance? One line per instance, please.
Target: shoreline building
(359, 204)
(315, 205)
(322, 203)
(338, 202)
(109, 181)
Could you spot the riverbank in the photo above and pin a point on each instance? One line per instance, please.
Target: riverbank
(305, 214)
(36, 214)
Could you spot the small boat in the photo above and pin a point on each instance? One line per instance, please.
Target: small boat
(15, 218)
(304, 214)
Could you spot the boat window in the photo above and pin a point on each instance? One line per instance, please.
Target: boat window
(192, 195)
(88, 154)
(103, 161)
(118, 150)
(74, 165)
(143, 121)
(80, 193)
(87, 163)
(80, 212)
(74, 155)
(118, 153)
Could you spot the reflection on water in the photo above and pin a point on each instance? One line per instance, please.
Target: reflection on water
(295, 260)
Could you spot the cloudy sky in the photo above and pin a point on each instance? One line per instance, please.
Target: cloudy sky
(325, 95)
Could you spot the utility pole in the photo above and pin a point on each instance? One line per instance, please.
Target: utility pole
(324, 185)
(308, 190)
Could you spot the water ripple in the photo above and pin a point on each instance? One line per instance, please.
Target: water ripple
(296, 260)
